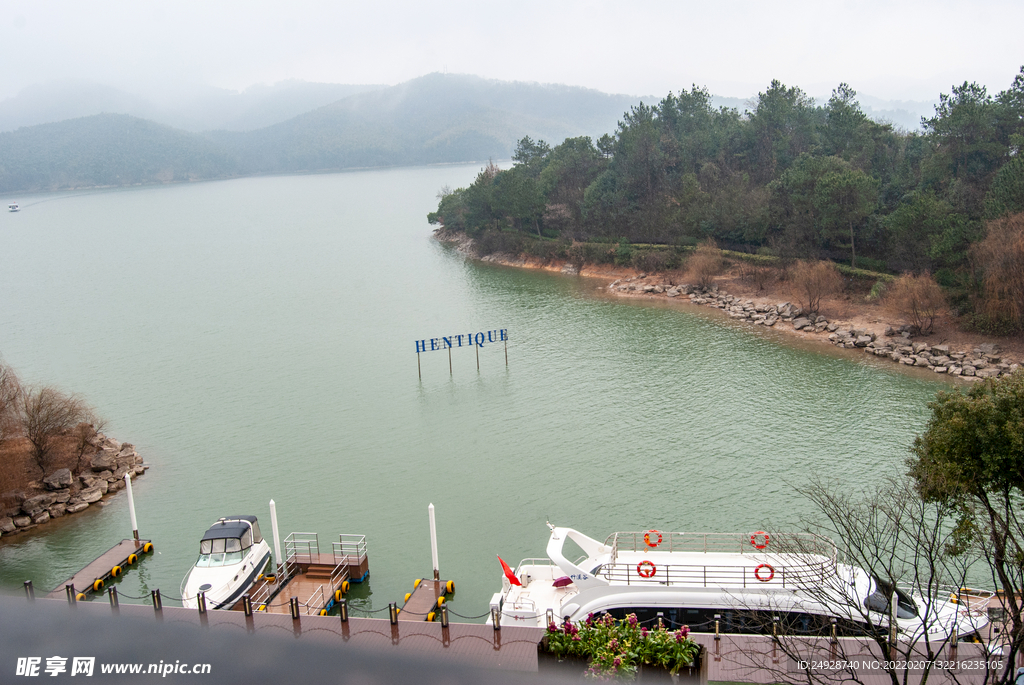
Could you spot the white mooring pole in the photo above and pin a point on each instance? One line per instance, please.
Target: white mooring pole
(277, 538)
(131, 505)
(433, 543)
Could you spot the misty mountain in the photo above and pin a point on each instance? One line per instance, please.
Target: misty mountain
(106, 150)
(192, 109)
(432, 119)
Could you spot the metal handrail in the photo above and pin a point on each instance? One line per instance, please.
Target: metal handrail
(299, 545)
(729, 543)
(349, 545)
(790, 575)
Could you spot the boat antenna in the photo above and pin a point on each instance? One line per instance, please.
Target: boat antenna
(550, 526)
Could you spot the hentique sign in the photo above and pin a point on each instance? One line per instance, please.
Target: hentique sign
(449, 342)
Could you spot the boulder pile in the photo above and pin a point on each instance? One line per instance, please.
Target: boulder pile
(896, 344)
(61, 493)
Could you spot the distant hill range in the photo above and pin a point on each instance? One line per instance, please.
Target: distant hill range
(76, 135)
(438, 118)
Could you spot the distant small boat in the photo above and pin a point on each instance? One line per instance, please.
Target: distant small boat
(13, 207)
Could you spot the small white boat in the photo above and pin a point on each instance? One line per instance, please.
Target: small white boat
(232, 556)
(744, 583)
(13, 207)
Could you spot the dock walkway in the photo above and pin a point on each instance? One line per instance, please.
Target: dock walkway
(425, 598)
(102, 567)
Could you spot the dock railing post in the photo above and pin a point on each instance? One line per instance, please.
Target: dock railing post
(444, 615)
(131, 504)
(114, 601)
(158, 602)
(247, 604)
(343, 610)
(70, 590)
(393, 613)
(495, 618)
(30, 591)
(433, 542)
(201, 602)
(277, 541)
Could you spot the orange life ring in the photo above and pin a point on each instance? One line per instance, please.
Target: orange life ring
(643, 571)
(757, 572)
(647, 538)
(753, 539)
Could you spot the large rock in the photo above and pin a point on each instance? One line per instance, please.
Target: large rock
(103, 486)
(22, 521)
(41, 517)
(987, 373)
(38, 502)
(63, 496)
(104, 461)
(61, 478)
(863, 341)
(56, 510)
(91, 495)
(800, 323)
(7, 525)
(77, 507)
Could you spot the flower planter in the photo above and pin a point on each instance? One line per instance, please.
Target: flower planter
(575, 668)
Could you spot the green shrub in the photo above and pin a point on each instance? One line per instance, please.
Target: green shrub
(624, 253)
(493, 241)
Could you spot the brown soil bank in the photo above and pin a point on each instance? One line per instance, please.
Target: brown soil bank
(847, 320)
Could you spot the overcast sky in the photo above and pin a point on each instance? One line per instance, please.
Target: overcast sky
(894, 50)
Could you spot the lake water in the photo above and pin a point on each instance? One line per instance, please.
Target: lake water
(255, 338)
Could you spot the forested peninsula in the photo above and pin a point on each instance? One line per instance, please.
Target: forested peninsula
(787, 181)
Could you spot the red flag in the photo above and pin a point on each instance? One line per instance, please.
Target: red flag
(508, 572)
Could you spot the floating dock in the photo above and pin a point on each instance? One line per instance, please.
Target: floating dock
(112, 563)
(425, 600)
(315, 580)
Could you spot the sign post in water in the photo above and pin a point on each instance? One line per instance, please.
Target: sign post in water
(449, 342)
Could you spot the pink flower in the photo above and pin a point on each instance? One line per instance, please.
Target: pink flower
(613, 645)
(617, 662)
(632, 619)
(552, 628)
(685, 630)
(643, 631)
(576, 638)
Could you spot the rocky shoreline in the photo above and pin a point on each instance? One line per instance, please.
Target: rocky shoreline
(967, 362)
(970, 364)
(61, 493)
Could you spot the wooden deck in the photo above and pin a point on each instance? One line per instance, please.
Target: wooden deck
(423, 600)
(101, 567)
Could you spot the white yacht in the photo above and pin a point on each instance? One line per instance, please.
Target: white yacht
(13, 207)
(232, 555)
(745, 583)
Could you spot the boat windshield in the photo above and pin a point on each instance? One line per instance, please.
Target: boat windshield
(878, 600)
(219, 552)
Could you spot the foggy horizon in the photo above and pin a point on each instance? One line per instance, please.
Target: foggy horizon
(908, 51)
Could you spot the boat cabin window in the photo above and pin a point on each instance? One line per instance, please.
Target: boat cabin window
(257, 538)
(220, 552)
(878, 600)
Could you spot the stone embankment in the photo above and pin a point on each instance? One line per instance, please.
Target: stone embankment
(61, 493)
(896, 344)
